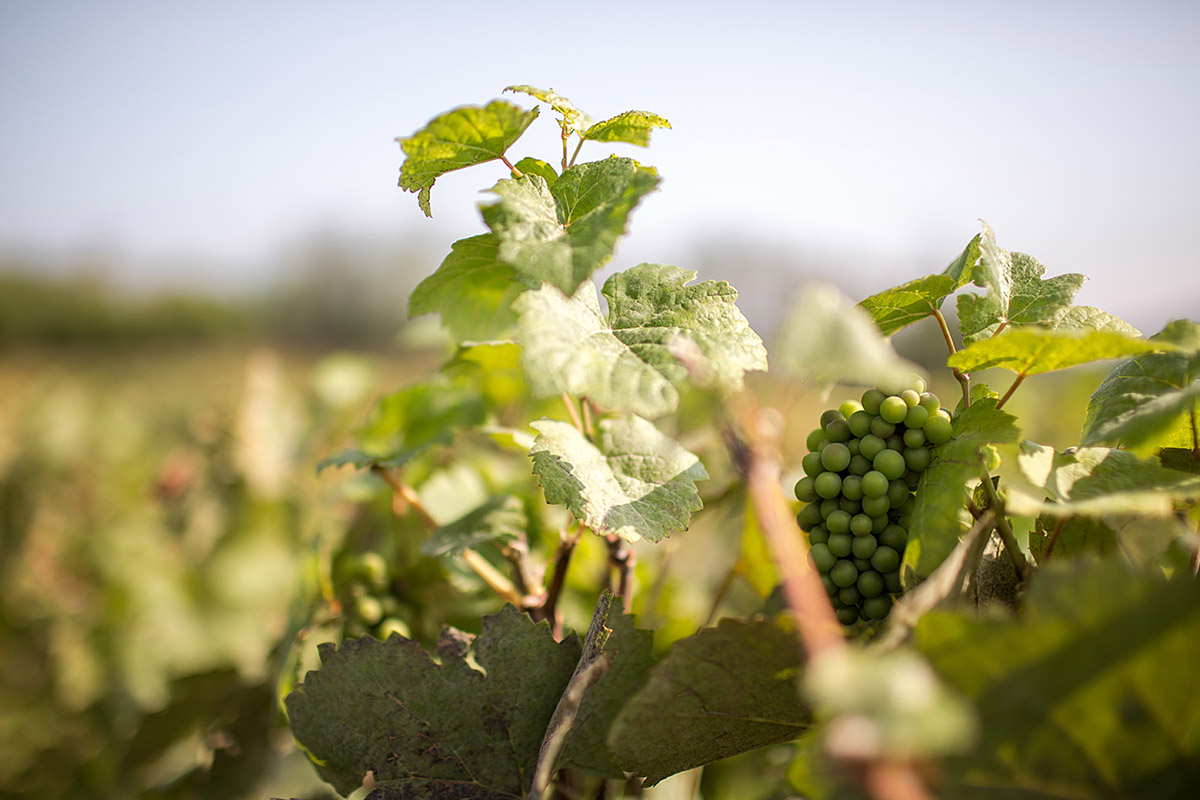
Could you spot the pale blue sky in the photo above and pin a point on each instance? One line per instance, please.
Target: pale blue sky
(216, 133)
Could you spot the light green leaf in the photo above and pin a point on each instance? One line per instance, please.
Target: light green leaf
(994, 270)
(962, 269)
(631, 127)
(426, 729)
(464, 137)
(492, 368)
(1032, 351)
(472, 289)
(901, 306)
(1032, 300)
(653, 311)
(828, 338)
(361, 460)
(939, 515)
(1071, 537)
(499, 519)
(721, 692)
(567, 346)
(634, 481)
(1090, 318)
(573, 120)
(1095, 481)
(1149, 401)
(535, 166)
(1090, 693)
(562, 233)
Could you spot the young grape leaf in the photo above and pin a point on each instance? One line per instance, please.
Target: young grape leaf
(1078, 318)
(1034, 350)
(425, 413)
(535, 166)
(472, 289)
(1150, 401)
(994, 272)
(1090, 693)
(562, 233)
(653, 312)
(573, 120)
(1095, 481)
(464, 137)
(501, 518)
(901, 306)
(830, 339)
(721, 692)
(1032, 300)
(939, 505)
(962, 268)
(631, 127)
(633, 481)
(1070, 537)
(567, 346)
(426, 729)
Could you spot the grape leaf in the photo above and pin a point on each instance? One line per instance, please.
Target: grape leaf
(939, 505)
(567, 346)
(994, 272)
(652, 311)
(1070, 537)
(1095, 481)
(718, 693)
(901, 306)
(492, 368)
(460, 138)
(1090, 318)
(573, 120)
(1149, 402)
(634, 481)
(631, 127)
(1090, 693)
(562, 233)
(962, 268)
(535, 166)
(1032, 300)
(426, 729)
(501, 518)
(830, 339)
(472, 290)
(1034, 350)
(426, 413)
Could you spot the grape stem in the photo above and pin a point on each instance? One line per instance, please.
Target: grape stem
(516, 173)
(1054, 536)
(622, 559)
(1020, 564)
(964, 380)
(548, 610)
(1020, 378)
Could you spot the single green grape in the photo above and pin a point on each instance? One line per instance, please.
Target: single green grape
(895, 442)
(822, 557)
(849, 595)
(811, 464)
(815, 440)
(844, 573)
(835, 457)
(884, 559)
(870, 446)
(876, 506)
(876, 607)
(869, 583)
(837, 431)
(874, 484)
(882, 428)
(898, 493)
(809, 517)
(848, 408)
(838, 522)
(840, 544)
(938, 429)
(847, 615)
(806, 491)
(917, 417)
(852, 487)
(828, 507)
(861, 525)
(894, 537)
(818, 535)
(893, 409)
(914, 437)
(828, 485)
(831, 415)
(860, 422)
(871, 399)
(851, 507)
(917, 458)
(864, 547)
(930, 402)
(890, 463)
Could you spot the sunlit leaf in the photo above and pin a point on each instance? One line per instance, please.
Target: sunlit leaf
(631, 127)
(901, 306)
(499, 519)
(573, 119)
(1033, 300)
(1070, 537)
(472, 290)
(1033, 350)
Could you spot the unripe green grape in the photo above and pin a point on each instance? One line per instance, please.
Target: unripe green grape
(911, 397)
(869, 583)
(874, 484)
(840, 544)
(809, 517)
(898, 493)
(844, 573)
(815, 440)
(861, 564)
(881, 427)
(917, 383)
(822, 557)
(837, 431)
(390, 626)
(914, 437)
(373, 570)
(864, 547)
(848, 408)
(893, 409)
(876, 607)
(871, 399)
(884, 559)
(878, 523)
(831, 415)
(870, 446)
(849, 596)
(930, 402)
(890, 463)
(818, 535)
(876, 506)
(368, 610)
(847, 615)
(892, 385)
(893, 536)
(852, 487)
(895, 442)
(805, 490)
(859, 465)
(838, 522)
(917, 417)
(828, 485)
(811, 464)
(851, 507)
(831, 588)
(828, 507)
(835, 457)
(939, 429)
(852, 444)
(860, 526)
(891, 582)
(917, 458)
(860, 423)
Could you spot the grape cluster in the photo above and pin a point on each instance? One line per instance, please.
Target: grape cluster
(862, 466)
(363, 586)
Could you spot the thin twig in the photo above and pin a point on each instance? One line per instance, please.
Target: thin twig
(719, 596)
(622, 559)
(516, 173)
(575, 420)
(1004, 529)
(1020, 378)
(963, 378)
(1054, 536)
(562, 561)
(575, 155)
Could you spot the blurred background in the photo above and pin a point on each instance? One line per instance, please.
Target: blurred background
(204, 261)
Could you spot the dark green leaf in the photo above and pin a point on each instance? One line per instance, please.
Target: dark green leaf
(1149, 402)
(1070, 537)
(718, 693)
(460, 138)
(426, 729)
(562, 233)
(499, 519)
(472, 290)
(631, 127)
(1033, 350)
(634, 481)
(903, 305)
(1090, 693)
(939, 515)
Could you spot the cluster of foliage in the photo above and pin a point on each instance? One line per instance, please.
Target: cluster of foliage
(641, 417)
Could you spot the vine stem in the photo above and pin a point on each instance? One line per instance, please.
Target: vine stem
(575, 155)
(548, 610)
(1020, 564)
(516, 173)
(1020, 378)
(964, 379)
(575, 420)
